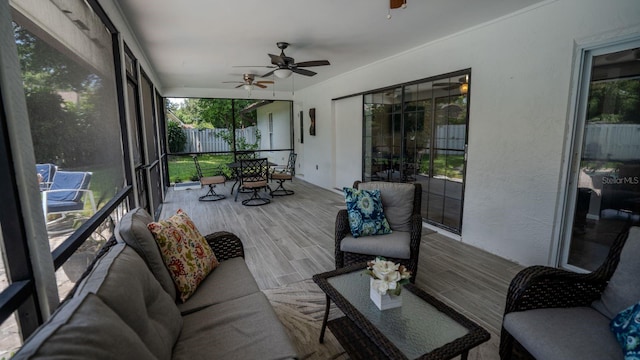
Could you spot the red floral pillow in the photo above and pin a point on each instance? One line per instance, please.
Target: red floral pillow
(185, 252)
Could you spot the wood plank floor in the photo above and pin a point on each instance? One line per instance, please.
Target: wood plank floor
(292, 238)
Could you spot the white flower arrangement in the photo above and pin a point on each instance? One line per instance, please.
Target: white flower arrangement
(388, 277)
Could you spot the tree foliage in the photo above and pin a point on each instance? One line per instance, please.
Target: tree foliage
(177, 137)
(614, 102)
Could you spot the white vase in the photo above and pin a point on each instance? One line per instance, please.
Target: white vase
(383, 302)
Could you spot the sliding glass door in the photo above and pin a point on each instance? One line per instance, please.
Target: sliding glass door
(605, 196)
(417, 132)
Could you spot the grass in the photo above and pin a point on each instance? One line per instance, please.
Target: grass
(182, 168)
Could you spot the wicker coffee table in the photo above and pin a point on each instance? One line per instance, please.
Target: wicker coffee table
(422, 328)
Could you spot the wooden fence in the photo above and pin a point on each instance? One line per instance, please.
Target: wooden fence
(210, 140)
(612, 141)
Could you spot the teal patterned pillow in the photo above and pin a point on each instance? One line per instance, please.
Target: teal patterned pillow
(365, 212)
(626, 327)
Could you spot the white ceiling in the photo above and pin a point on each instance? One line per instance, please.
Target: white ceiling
(196, 43)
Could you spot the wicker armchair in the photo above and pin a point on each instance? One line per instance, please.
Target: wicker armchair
(342, 231)
(540, 287)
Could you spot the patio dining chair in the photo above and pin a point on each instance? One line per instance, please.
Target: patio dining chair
(254, 176)
(68, 193)
(210, 181)
(45, 174)
(282, 175)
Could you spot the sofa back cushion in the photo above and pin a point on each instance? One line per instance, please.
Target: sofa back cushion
(124, 283)
(132, 229)
(623, 289)
(84, 328)
(397, 202)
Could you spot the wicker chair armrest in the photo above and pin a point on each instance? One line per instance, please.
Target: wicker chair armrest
(342, 225)
(545, 287)
(225, 245)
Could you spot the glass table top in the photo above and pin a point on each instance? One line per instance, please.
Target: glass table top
(415, 328)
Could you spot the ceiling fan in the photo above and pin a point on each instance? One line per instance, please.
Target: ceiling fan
(463, 82)
(249, 82)
(283, 66)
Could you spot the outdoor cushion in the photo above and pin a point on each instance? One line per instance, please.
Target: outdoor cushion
(84, 328)
(366, 215)
(245, 328)
(230, 280)
(626, 327)
(395, 245)
(65, 180)
(397, 202)
(564, 333)
(623, 289)
(185, 252)
(132, 229)
(123, 282)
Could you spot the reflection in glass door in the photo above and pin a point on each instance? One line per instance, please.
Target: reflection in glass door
(418, 133)
(607, 196)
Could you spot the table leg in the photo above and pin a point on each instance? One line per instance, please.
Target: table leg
(324, 321)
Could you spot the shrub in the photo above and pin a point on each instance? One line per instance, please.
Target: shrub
(177, 137)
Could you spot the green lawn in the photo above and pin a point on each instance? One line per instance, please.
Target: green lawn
(182, 168)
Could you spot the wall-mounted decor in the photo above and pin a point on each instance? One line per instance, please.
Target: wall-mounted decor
(312, 115)
(301, 128)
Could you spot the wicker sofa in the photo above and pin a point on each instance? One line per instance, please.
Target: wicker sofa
(125, 308)
(558, 314)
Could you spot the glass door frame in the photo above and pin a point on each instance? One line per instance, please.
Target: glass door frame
(584, 55)
(367, 152)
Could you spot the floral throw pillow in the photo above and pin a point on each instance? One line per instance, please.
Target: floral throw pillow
(185, 252)
(365, 212)
(626, 327)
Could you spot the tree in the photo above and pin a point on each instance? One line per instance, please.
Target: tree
(177, 137)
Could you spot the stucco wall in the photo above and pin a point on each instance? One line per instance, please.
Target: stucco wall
(520, 98)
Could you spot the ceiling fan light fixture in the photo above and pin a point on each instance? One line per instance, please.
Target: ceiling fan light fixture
(464, 88)
(247, 87)
(283, 73)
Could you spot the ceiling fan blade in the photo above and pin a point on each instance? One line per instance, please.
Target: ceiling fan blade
(394, 4)
(241, 85)
(313, 63)
(232, 82)
(263, 82)
(269, 73)
(303, 71)
(260, 85)
(277, 59)
(253, 66)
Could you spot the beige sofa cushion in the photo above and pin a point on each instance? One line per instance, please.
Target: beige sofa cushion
(397, 202)
(244, 328)
(132, 229)
(230, 280)
(124, 283)
(84, 328)
(623, 289)
(394, 245)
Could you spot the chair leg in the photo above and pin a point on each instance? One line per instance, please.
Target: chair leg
(280, 190)
(211, 195)
(255, 199)
(506, 345)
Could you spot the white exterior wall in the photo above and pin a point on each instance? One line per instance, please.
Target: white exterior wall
(281, 111)
(520, 99)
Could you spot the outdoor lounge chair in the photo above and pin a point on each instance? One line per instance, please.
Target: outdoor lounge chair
(554, 313)
(210, 181)
(283, 175)
(402, 203)
(68, 193)
(45, 175)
